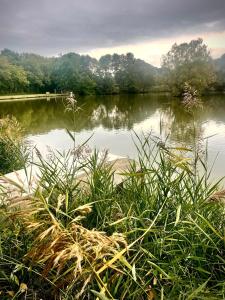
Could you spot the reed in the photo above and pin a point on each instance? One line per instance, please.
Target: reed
(13, 148)
(159, 236)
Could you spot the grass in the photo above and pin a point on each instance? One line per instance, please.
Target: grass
(159, 236)
(17, 97)
(13, 149)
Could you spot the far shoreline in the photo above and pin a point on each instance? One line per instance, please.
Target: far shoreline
(29, 96)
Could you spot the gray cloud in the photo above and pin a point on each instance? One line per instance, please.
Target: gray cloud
(52, 26)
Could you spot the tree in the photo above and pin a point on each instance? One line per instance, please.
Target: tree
(73, 72)
(133, 75)
(13, 78)
(38, 71)
(189, 63)
(82, 74)
(105, 76)
(220, 72)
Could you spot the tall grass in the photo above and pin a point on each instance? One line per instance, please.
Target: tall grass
(159, 235)
(13, 150)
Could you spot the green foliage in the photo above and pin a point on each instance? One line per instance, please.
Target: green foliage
(82, 74)
(74, 72)
(38, 71)
(131, 75)
(12, 148)
(188, 63)
(13, 78)
(111, 74)
(54, 242)
(220, 72)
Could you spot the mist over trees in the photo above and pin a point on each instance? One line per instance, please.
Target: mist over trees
(188, 63)
(220, 72)
(82, 74)
(112, 74)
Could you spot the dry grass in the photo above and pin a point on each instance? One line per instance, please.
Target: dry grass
(218, 196)
(65, 254)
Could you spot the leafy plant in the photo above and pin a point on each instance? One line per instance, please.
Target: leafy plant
(13, 154)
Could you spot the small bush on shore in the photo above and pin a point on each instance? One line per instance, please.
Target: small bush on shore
(12, 146)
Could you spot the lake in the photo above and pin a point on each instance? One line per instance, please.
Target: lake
(113, 119)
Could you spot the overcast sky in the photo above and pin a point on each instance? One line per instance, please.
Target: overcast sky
(147, 28)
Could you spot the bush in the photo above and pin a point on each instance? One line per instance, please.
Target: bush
(12, 146)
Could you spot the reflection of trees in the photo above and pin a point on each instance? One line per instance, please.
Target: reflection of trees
(186, 127)
(112, 112)
(118, 111)
(183, 126)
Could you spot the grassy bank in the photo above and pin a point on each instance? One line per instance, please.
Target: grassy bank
(28, 96)
(159, 235)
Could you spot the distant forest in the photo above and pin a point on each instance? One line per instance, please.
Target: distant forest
(111, 74)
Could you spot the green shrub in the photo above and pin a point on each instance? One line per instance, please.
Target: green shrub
(12, 146)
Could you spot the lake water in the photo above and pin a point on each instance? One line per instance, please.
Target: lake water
(112, 120)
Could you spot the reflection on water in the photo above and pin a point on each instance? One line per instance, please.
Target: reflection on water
(112, 119)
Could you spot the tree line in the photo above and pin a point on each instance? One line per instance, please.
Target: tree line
(82, 74)
(112, 74)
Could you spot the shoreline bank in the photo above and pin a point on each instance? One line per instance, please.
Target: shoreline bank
(30, 96)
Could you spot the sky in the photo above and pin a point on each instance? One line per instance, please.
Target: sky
(148, 28)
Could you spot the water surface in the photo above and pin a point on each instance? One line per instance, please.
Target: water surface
(112, 119)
